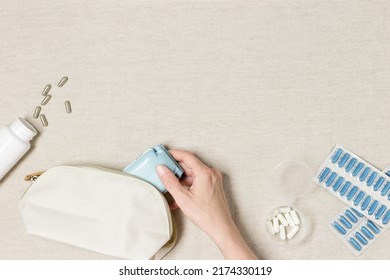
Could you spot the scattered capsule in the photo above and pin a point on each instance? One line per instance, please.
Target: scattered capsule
(46, 100)
(37, 112)
(284, 210)
(273, 215)
(275, 223)
(292, 232)
(270, 228)
(62, 82)
(289, 219)
(43, 120)
(295, 217)
(282, 232)
(68, 107)
(46, 89)
(283, 220)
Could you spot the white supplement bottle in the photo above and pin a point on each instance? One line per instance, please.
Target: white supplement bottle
(14, 143)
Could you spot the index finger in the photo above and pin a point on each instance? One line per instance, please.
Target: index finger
(190, 161)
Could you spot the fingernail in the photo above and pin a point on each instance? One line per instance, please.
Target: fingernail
(161, 169)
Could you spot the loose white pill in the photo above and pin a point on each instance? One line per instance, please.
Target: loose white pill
(273, 215)
(292, 232)
(275, 223)
(270, 228)
(282, 233)
(285, 210)
(282, 220)
(289, 219)
(294, 215)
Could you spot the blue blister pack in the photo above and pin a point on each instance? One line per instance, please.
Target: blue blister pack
(145, 165)
(356, 182)
(355, 230)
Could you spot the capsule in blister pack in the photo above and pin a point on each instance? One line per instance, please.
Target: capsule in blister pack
(355, 230)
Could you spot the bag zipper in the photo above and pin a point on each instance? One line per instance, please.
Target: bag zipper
(34, 176)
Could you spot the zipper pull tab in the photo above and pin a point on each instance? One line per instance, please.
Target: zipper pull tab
(33, 177)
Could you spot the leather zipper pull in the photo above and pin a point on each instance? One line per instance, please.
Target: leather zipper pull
(33, 176)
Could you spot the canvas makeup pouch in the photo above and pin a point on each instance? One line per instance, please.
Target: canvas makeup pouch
(102, 210)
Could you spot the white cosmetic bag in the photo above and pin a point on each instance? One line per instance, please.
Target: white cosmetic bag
(102, 210)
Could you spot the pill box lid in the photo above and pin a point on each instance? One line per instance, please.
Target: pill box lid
(23, 129)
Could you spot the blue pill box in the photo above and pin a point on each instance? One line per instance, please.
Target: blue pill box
(145, 165)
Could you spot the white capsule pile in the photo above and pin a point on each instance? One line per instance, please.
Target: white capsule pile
(284, 222)
(46, 98)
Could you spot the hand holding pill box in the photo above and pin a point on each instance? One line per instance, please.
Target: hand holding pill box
(144, 166)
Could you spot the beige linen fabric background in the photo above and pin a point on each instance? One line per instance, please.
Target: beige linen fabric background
(244, 85)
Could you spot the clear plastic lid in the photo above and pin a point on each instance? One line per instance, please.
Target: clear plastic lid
(293, 178)
(23, 129)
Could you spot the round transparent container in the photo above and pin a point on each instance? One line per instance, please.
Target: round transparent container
(293, 180)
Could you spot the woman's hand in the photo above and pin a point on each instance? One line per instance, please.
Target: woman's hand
(200, 195)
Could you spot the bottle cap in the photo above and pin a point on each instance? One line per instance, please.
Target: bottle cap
(23, 129)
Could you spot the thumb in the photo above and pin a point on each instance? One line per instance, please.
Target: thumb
(170, 181)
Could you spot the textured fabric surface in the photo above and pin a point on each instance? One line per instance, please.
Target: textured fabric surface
(244, 85)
